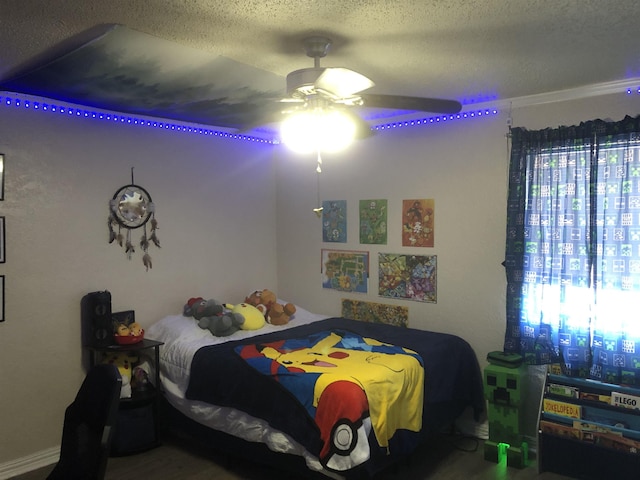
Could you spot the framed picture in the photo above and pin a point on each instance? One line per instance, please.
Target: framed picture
(1, 176)
(1, 298)
(2, 241)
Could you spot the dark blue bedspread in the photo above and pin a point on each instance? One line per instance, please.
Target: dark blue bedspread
(452, 377)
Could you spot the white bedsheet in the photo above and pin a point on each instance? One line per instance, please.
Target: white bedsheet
(182, 338)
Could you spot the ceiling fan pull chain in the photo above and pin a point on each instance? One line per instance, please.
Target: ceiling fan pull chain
(318, 209)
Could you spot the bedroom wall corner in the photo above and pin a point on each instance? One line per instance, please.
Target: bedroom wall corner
(215, 205)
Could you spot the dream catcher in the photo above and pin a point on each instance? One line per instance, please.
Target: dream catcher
(131, 208)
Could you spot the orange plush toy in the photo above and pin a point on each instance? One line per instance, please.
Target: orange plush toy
(274, 313)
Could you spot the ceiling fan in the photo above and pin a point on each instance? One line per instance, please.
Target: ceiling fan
(330, 88)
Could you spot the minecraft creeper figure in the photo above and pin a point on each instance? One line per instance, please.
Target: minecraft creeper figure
(503, 388)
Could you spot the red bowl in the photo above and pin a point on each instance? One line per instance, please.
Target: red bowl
(128, 339)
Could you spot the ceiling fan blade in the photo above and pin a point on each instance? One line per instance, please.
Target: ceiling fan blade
(342, 82)
(401, 102)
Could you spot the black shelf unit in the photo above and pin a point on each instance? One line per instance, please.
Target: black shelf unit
(138, 425)
(602, 442)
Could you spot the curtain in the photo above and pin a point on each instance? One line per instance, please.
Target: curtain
(572, 256)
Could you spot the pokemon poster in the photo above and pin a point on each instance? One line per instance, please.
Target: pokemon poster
(373, 222)
(375, 312)
(410, 277)
(334, 221)
(345, 270)
(418, 223)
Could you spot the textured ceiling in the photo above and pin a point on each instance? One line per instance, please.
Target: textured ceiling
(468, 50)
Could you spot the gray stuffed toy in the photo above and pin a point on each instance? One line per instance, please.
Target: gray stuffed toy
(212, 316)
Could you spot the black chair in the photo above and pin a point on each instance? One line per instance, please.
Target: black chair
(88, 426)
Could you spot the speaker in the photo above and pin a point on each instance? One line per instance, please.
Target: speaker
(97, 324)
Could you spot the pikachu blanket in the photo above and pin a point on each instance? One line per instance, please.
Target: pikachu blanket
(349, 385)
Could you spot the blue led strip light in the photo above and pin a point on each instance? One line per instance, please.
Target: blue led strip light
(631, 91)
(437, 119)
(18, 102)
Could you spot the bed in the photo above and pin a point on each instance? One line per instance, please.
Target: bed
(329, 397)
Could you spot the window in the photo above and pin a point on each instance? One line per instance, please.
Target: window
(573, 249)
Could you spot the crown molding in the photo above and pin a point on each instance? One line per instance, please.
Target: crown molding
(587, 91)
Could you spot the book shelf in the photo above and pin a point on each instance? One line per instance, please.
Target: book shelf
(588, 429)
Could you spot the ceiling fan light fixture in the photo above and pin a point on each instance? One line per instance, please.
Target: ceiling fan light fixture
(317, 130)
(342, 82)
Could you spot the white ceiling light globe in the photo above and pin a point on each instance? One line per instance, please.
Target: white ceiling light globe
(317, 130)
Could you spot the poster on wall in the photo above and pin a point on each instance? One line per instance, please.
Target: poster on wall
(373, 222)
(345, 270)
(418, 223)
(375, 312)
(334, 221)
(409, 277)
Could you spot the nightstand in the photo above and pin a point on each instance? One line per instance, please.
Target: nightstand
(138, 426)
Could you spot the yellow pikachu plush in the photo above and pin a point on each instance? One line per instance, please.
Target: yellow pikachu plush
(125, 362)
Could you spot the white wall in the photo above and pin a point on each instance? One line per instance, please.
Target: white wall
(215, 204)
(462, 167)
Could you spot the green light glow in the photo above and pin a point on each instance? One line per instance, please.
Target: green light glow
(502, 452)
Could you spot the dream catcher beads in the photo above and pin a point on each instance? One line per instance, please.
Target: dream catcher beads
(131, 208)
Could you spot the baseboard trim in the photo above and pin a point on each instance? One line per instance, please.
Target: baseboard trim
(29, 463)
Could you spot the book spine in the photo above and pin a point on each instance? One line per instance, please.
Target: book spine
(562, 408)
(594, 427)
(559, 430)
(624, 400)
(595, 397)
(563, 390)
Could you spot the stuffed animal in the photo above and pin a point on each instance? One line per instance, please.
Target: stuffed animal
(198, 307)
(133, 329)
(124, 361)
(280, 314)
(253, 318)
(274, 313)
(222, 325)
(212, 316)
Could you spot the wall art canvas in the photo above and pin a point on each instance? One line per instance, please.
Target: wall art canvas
(345, 270)
(1, 176)
(1, 298)
(3, 237)
(129, 71)
(373, 222)
(418, 223)
(334, 221)
(375, 312)
(410, 277)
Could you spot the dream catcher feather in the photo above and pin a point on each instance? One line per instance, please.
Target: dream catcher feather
(131, 208)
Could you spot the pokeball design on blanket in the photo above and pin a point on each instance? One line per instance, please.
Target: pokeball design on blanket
(350, 385)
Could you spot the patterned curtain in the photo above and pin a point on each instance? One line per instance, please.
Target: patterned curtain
(573, 249)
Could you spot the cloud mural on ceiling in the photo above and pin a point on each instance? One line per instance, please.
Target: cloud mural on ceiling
(135, 73)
